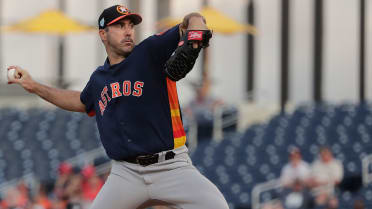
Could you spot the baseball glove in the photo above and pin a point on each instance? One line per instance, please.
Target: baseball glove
(184, 57)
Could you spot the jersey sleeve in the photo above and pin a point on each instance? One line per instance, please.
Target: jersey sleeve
(162, 45)
(87, 99)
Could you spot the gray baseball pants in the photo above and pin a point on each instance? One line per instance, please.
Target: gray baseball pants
(175, 183)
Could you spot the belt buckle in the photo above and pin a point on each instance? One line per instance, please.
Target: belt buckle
(146, 160)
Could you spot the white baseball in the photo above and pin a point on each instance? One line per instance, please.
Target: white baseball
(11, 74)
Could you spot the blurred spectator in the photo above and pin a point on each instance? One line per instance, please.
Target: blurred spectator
(36, 206)
(14, 199)
(203, 101)
(73, 193)
(272, 205)
(64, 169)
(326, 173)
(69, 188)
(160, 207)
(332, 203)
(91, 183)
(59, 204)
(201, 109)
(359, 204)
(295, 170)
(41, 199)
(23, 193)
(64, 175)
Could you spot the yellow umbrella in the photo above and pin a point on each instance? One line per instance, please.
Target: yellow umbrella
(216, 20)
(51, 22)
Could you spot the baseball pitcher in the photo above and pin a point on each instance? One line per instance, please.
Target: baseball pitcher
(133, 97)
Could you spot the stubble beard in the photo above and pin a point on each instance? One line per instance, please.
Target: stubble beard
(123, 51)
(120, 50)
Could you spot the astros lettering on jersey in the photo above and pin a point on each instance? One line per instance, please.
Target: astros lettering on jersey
(117, 91)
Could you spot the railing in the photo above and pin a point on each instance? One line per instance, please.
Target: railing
(192, 135)
(103, 168)
(263, 187)
(275, 184)
(217, 124)
(366, 175)
(86, 157)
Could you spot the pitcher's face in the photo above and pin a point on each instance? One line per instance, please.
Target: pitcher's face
(120, 37)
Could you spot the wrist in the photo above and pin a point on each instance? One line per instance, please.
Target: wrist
(32, 87)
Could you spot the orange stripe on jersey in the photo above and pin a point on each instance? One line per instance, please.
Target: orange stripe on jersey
(171, 95)
(177, 124)
(178, 142)
(179, 135)
(175, 112)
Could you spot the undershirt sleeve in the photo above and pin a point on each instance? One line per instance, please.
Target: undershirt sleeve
(87, 99)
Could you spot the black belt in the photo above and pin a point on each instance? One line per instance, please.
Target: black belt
(146, 160)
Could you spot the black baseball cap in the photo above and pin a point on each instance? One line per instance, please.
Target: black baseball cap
(116, 13)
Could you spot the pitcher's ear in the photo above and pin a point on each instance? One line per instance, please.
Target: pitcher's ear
(102, 34)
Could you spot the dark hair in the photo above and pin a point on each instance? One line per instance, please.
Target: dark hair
(324, 148)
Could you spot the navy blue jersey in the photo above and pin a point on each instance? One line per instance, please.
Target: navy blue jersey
(135, 104)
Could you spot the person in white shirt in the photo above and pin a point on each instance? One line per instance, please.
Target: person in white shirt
(326, 173)
(295, 170)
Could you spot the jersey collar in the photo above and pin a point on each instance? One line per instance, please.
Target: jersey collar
(106, 65)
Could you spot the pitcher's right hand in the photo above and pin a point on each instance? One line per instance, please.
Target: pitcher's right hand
(22, 78)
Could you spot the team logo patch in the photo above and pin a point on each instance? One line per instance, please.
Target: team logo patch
(122, 10)
(102, 22)
(195, 35)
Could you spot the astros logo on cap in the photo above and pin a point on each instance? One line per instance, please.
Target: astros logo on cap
(122, 9)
